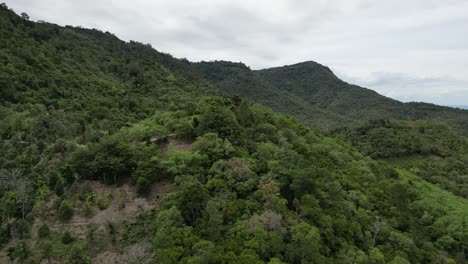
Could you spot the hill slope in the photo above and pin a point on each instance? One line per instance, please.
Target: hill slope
(105, 80)
(434, 152)
(215, 179)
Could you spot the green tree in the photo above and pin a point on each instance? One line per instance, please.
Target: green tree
(109, 161)
(305, 244)
(191, 200)
(212, 148)
(25, 16)
(217, 118)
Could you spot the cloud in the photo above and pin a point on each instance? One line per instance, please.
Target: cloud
(426, 38)
(441, 90)
(449, 12)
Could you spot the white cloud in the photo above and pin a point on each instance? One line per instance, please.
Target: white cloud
(443, 89)
(441, 14)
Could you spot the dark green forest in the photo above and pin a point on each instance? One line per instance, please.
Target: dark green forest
(114, 152)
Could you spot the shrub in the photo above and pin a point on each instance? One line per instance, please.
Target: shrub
(65, 211)
(111, 227)
(21, 251)
(43, 231)
(122, 199)
(67, 238)
(5, 235)
(22, 228)
(104, 201)
(58, 188)
(143, 186)
(79, 255)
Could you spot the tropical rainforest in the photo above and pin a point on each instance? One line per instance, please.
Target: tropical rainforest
(114, 152)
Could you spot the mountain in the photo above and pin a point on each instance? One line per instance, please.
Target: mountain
(238, 79)
(317, 85)
(113, 152)
(313, 94)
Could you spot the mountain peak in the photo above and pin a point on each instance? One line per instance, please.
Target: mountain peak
(303, 69)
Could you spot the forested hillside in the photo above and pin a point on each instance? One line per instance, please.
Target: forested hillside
(435, 152)
(317, 85)
(112, 152)
(312, 93)
(238, 79)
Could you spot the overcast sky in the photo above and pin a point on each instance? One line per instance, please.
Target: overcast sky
(411, 50)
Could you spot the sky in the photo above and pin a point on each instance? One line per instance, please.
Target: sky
(409, 50)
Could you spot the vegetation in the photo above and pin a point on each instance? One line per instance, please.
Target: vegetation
(90, 124)
(437, 153)
(317, 85)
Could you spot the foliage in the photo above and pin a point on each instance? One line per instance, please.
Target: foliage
(21, 252)
(293, 196)
(79, 255)
(436, 153)
(251, 185)
(65, 211)
(318, 86)
(67, 238)
(43, 231)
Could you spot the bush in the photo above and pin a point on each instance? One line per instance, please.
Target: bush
(87, 209)
(79, 255)
(122, 199)
(21, 228)
(58, 188)
(104, 201)
(112, 228)
(21, 252)
(143, 186)
(65, 211)
(5, 235)
(47, 250)
(44, 231)
(67, 174)
(67, 238)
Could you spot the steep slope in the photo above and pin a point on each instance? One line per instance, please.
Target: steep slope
(89, 72)
(317, 85)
